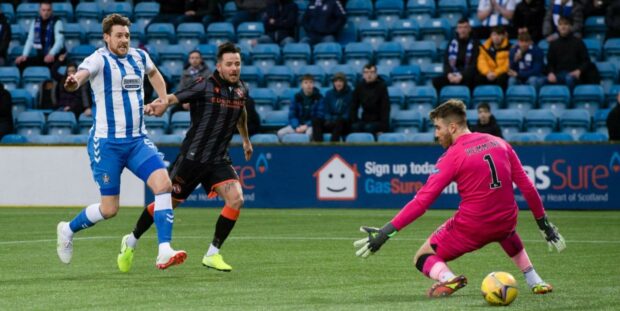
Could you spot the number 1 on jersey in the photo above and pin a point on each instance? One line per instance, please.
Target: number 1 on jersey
(495, 183)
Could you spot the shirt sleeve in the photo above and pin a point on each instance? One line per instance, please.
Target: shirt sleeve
(193, 91)
(444, 173)
(519, 177)
(148, 61)
(92, 63)
(29, 40)
(59, 38)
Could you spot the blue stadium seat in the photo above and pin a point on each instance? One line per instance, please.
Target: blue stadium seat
(264, 97)
(78, 53)
(284, 100)
(279, 78)
(87, 14)
(600, 120)
(190, 35)
(595, 28)
(172, 57)
(472, 117)
(252, 76)
(491, 94)
(436, 30)
(523, 137)
(9, 12)
(390, 54)
(384, 73)
(220, 32)
(374, 32)
(612, 50)
(430, 71)
(168, 139)
(544, 46)
(26, 13)
(16, 52)
(405, 31)
(264, 139)
(406, 77)
(236, 139)
(159, 35)
(522, 97)
(360, 138)
(32, 78)
(296, 138)
(422, 98)
(509, 120)
(594, 48)
(30, 123)
(93, 35)
(389, 11)
(84, 123)
(455, 92)
(44, 139)
(554, 97)
(138, 35)
(359, 10)
(22, 100)
(358, 54)
(10, 77)
(13, 139)
(594, 137)
(74, 35)
(397, 97)
(611, 95)
(420, 9)
(347, 34)
(249, 32)
(327, 54)
(229, 10)
(316, 71)
(144, 12)
(61, 123)
(422, 52)
(156, 126)
(452, 10)
(180, 122)
(265, 55)
(392, 138)
(408, 121)
(63, 10)
(589, 96)
(123, 8)
(348, 71)
(296, 55)
(559, 137)
(609, 74)
(18, 35)
(575, 122)
(421, 137)
(275, 120)
(209, 54)
(540, 121)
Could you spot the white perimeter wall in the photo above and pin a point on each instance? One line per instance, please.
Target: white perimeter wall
(56, 176)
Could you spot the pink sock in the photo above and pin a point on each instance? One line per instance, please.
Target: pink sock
(436, 269)
(522, 261)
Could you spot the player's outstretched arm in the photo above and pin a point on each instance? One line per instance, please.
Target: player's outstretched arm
(74, 81)
(376, 238)
(551, 233)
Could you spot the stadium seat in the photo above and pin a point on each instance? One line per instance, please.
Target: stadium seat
(9, 76)
(296, 55)
(594, 137)
(490, 94)
(264, 139)
(408, 121)
(455, 92)
(360, 138)
(220, 32)
(295, 138)
(236, 139)
(156, 126)
(575, 122)
(420, 9)
(348, 71)
(275, 120)
(78, 53)
(452, 10)
(229, 10)
(421, 137)
(609, 74)
(180, 122)
(389, 54)
(13, 139)
(397, 97)
(22, 100)
(421, 98)
(374, 32)
(144, 12)
(159, 35)
(358, 54)
(173, 57)
(612, 50)
(522, 97)
(252, 76)
(44, 139)
(347, 34)
(32, 78)
(600, 120)
(61, 123)
(389, 11)
(74, 35)
(359, 10)
(209, 54)
(554, 97)
(405, 77)
(123, 8)
(405, 31)
(559, 137)
(589, 96)
(265, 55)
(249, 32)
(509, 120)
(279, 78)
(594, 48)
(63, 10)
(16, 52)
(87, 14)
(26, 13)
(190, 35)
(9, 12)
(436, 30)
(30, 123)
(544, 46)
(18, 35)
(472, 116)
(316, 71)
(430, 71)
(138, 36)
(611, 95)
(84, 123)
(523, 137)
(284, 100)
(540, 121)
(392, 138)
(595, 28)
(93, 35)
(422, 52)
(327, 54)
(264, 97)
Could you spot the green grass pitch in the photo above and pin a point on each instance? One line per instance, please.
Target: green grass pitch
(298, 259)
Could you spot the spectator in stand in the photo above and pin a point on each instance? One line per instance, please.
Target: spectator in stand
(306, 110)
(5, 38)
(46, 37)
(567, 58)
(6, 112)
(323, 20)
(199, 11)
(76, 102)
(612, 20)
(195, 69)
(493, 59)
(613, 121)
(249, 10)
(486, 121)
(280, 20)
(492, 13)
(526, 62)
(337, 104)
(459, 65)
(572, 9)
(371, 95)
(527, 18)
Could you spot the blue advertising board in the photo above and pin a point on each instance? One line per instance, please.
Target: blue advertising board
(388, 176)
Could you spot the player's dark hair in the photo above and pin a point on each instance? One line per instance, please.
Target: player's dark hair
(452, 110)
(226, 47)
(112, 20)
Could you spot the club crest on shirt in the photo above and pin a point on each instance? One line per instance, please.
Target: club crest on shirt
(131, 82)
(239, 93)
(105, 178)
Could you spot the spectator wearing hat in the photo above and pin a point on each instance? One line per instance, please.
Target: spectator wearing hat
(337, 103)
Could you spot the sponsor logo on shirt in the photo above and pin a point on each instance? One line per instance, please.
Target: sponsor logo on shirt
(131, 82)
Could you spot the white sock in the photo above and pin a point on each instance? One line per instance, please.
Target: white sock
(165, 248)
(212, 250)
(66, 231)
(132, 241)
(532, 278)
(93, 213)
(163, 201)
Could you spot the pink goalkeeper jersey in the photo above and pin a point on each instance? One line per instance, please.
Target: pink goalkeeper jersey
(484, 168)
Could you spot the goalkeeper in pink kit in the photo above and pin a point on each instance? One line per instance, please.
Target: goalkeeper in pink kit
(484, 168)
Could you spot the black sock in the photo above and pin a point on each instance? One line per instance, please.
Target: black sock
(144, 223)
(222, 229)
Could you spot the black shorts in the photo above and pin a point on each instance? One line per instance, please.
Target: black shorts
(187, 174)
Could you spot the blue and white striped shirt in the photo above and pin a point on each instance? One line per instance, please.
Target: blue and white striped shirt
(117, 91)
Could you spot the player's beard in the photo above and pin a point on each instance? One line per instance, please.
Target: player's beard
(121, 52)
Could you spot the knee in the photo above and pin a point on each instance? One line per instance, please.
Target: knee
(162, 185)
(236, 202)
(108, 210)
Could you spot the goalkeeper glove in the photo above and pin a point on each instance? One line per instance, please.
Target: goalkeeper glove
(374, 241)
(550, 232)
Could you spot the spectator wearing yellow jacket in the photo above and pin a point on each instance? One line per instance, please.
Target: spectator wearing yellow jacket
(494, 59)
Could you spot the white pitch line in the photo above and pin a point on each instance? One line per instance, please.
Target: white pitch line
(281, 238)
